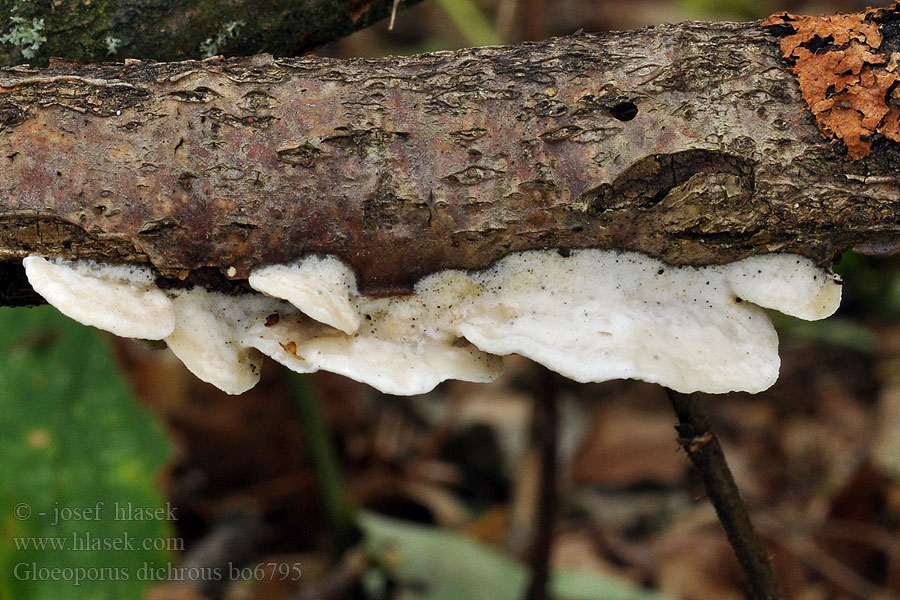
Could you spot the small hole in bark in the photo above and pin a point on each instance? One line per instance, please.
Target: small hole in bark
(625, 111)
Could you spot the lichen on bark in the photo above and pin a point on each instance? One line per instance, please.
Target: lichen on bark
(101, 30)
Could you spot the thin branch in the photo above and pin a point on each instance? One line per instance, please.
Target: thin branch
(393, 15)
(170, 30)
(545, 426)
(702, 446)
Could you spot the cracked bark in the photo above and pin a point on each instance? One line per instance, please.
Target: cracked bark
(686, 142)
(169, 30)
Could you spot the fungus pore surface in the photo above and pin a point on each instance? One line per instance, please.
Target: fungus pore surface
(592, 315)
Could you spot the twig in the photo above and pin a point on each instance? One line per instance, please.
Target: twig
(702, 446)
(545, 423)
(393, 14)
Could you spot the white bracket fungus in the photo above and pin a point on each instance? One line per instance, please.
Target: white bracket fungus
(209, 327)
(600, 315)
(318, 286)
(594, 315)
(404, 345)
(123, 300)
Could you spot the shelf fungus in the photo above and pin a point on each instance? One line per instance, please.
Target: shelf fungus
(591, 315)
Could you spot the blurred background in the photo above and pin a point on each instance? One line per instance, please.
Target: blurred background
(320, 487)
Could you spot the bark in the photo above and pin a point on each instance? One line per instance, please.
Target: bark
(173, 30)
(686, 142)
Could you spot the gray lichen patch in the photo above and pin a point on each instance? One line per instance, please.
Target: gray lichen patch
(25, 35)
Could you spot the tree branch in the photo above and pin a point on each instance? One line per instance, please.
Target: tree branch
(170, 30)
(689, 143)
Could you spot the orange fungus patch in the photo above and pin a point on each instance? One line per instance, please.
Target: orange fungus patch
(844, 79)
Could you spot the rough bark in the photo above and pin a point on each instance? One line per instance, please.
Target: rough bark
(173, 30)
(686, 142)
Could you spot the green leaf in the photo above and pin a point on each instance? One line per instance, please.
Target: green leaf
(433, 564)
(471, 21)
(725, 9)
(74, 448)
(837, 331)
